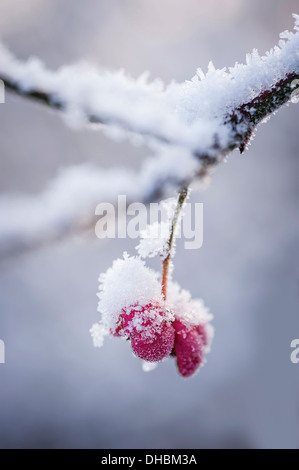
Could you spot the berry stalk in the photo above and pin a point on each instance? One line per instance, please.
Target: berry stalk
(166, 261)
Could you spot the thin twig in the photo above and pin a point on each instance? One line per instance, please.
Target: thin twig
(166, 261)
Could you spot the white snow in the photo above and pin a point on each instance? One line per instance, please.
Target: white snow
(98, 333)
(154, 239)
(127, 283)
(191, 311)
(149, 366)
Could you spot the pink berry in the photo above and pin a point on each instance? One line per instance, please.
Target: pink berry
(189, 347)
(150, 330)
(202, 331)
(157, 348)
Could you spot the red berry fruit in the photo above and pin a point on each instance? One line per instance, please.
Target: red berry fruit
(150, 329)
(189, 347)
(156, 348)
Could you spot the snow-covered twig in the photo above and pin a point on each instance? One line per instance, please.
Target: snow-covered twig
(167, 257)
(67, 205)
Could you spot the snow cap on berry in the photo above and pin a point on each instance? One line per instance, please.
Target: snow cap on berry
(127, 283)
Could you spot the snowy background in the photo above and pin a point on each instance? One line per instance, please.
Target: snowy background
(56, 390)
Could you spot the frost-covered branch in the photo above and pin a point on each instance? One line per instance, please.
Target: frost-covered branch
(191, 127)
(67, 205)
(209, 115)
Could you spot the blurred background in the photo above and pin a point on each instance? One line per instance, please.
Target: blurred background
(56, 390)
